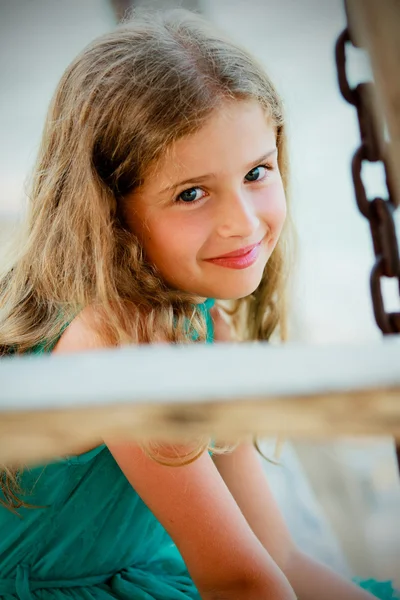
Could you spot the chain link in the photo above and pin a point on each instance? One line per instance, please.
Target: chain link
(378, 211)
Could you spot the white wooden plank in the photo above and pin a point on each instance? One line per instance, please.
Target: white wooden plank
(50, 406)
(162, 373)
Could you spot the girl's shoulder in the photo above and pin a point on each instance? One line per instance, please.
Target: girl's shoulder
(89, 329)
(82, 333)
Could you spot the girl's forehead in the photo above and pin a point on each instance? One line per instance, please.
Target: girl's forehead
(239, 131)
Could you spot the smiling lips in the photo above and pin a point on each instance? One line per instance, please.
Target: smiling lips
(238, 259)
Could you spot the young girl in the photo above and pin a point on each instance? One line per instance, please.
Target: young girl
(160, 186)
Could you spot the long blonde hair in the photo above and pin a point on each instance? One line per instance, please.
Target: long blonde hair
(117, 109)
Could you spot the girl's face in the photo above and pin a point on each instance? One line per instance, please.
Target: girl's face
(217, 192)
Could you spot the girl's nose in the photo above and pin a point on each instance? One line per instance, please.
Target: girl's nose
(238, 216)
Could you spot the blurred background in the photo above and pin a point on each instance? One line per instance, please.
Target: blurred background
(341, 499)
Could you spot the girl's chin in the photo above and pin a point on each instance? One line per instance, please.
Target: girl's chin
(230, 284)
(225, 292)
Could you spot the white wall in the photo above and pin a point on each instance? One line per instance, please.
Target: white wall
(38, 39)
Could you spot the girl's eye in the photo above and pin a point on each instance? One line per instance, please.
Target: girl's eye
(258, 173)
(189, 196)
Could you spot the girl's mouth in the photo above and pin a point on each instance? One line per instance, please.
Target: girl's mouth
(238, 259)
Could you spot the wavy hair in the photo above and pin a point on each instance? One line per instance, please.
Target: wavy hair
(117, 109)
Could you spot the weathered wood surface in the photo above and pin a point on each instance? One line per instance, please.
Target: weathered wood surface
(376, 26)
(51, 405)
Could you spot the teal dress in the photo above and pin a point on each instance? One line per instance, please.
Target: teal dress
(92, 538)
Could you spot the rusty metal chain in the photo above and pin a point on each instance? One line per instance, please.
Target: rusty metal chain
(378, 211)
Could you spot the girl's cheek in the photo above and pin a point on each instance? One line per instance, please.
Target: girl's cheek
(272, 203)
(193, 226)
(279, 215)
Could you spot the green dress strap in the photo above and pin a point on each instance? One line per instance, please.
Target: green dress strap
(204, 307)
(47, 346)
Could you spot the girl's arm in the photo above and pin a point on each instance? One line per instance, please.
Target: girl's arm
(243, 474)
(221, 552)
(313, 580)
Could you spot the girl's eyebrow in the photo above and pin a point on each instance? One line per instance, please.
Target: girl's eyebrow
(213, 175)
